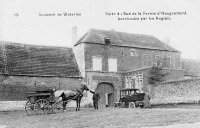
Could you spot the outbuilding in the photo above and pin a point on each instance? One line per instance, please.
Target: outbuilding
(32, 67)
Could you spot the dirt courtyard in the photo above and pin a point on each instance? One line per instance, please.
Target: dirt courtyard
(103, 118)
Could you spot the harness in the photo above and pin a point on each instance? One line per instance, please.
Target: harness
(77, 96)
(80, 93)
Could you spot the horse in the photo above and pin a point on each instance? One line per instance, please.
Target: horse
(72, 95)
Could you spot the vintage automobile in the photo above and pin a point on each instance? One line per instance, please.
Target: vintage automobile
(130, 97)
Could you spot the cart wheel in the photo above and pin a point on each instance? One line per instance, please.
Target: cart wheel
(132, 105)
(42, 107)
(58, 106)
(116, 104)
(29, 108)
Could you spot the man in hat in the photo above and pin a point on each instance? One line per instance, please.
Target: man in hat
(95, 99)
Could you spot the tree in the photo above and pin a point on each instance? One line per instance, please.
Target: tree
(157, 74)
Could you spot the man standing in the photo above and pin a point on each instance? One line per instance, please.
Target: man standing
(147, 100)
(95, 99)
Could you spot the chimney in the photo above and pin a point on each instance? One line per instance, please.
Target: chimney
(74, 35)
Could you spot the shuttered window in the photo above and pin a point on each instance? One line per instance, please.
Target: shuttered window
(97, 64)
(112, 65)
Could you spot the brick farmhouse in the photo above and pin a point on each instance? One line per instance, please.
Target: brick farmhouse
(111, 60)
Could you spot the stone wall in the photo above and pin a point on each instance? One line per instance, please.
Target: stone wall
(14, 88)
(183, 91)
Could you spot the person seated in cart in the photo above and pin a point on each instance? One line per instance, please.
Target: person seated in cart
(95, 99)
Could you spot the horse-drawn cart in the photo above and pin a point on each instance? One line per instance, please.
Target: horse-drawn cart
(51, 101)
(42, 102)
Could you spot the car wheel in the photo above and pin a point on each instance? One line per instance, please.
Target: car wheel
(132, 105)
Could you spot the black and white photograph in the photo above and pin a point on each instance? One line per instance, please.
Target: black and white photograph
(99, 64)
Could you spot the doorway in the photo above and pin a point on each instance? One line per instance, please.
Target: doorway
(106, 92)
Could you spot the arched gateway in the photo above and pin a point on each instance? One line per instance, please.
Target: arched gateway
(106, 91)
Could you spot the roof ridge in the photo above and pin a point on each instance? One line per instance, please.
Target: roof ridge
(36, 45)
(123, 38)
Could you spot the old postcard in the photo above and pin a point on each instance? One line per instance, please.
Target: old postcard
(104, 64)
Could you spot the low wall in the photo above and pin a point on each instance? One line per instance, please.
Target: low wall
(183, 91)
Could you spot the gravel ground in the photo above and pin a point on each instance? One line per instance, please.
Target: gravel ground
(12, 105)
(106, 118)
(190, 125)
(19, 105)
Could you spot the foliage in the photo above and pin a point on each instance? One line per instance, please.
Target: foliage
(157, 74)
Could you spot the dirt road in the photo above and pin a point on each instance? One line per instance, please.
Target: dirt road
(109, 117)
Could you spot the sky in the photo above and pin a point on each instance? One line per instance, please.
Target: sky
(21, 21)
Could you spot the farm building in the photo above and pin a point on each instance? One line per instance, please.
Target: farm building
(111, 60)
(29, 67)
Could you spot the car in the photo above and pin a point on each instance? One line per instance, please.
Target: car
(130, 98)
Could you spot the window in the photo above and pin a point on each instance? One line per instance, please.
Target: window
(178, 62)
(172, 61)
(158, 59)
(139, 81)
(112, 65)
(147, 60)
(133, 52)
(167, 62)
(97, 63)
(130, 81)
(134, 81)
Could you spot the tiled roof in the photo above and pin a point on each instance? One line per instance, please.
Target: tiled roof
(34, 60)
(124, 39)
